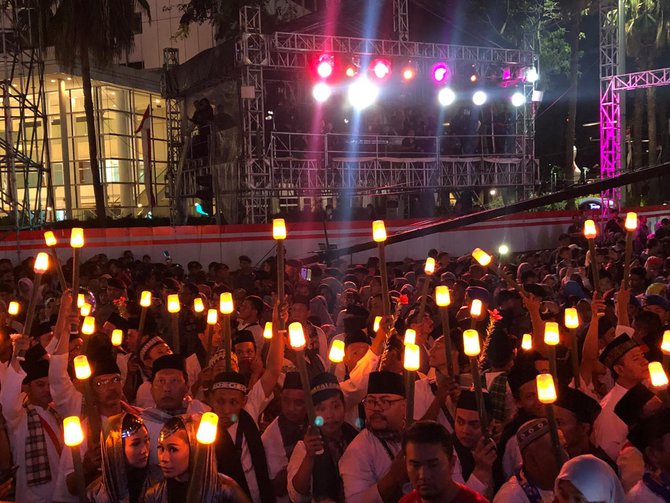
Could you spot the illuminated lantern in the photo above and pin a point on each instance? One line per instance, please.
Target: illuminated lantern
(296, 335)
(226, 303)
(117, 337)
(429, 268)
(198, 305)
(72, 432)
(442, 296)
(410, 336)
(378, 231)
(336, 354)
(631, 221)
(471, 342)
(145, 299)
(82, 370)
(590, 231)
(278, 228)
(481, 257)
(476, 308)
(527, 342)
(375, 326)
(659, 378)
(207, 428)
(88, 327)
(173, 305)
(50, 239)
(571, 318)
(212, 316)
(551, 333)
(546, 390)
(665, 345)
(41, 263)
(412, 360)
(77, 238)
(13, 308)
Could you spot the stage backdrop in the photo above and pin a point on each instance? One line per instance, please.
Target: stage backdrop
(524, 231)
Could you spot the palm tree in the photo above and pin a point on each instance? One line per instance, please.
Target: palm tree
(86, 31)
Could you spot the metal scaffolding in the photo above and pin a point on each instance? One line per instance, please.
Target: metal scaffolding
(175, 140)
(272, 179)
(610, 100)
(613, 85)
(24, 159)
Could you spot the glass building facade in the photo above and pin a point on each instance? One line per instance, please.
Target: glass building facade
(118, 114)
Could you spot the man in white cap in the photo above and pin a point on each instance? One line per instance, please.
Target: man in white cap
(534, 481)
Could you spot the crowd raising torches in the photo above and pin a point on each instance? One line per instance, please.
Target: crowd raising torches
(547, 383)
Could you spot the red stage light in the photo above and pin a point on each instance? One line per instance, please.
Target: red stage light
(381, 68)
(408, 74)
(324, 66)
(350, 71)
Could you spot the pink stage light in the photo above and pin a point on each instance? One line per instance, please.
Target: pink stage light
(441, 73)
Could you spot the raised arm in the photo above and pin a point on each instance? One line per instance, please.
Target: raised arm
(275, 358)
(590, 349)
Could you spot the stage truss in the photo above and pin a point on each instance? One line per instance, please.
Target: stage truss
(24, 156)
(265, 178)
(613, 85)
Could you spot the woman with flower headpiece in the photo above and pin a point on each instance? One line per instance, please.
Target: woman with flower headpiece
(177, 447)
(126, 472)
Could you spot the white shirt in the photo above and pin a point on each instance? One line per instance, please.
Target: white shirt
(511, 492)
(294, 463)
(256, 403)
(473, 482)
(17, 429)
(193, 370)
(363, 464)
(356, 387)
(122, 363)
(640, 493)
(67, 400)
(609, 430)
(512, 459)
(275, 454)
(423, 398)
(144, 399)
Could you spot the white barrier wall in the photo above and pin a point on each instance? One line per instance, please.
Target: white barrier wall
(526, 231)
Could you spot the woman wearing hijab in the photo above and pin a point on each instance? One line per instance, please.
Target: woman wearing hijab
(588, 479)
(177, 446)
(126, 473)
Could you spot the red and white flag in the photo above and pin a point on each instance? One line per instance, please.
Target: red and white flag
(145, 129)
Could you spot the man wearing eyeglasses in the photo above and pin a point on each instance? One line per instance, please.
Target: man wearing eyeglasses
(106, 392)
(373, 467)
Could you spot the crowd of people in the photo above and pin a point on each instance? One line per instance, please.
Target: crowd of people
(379, 433)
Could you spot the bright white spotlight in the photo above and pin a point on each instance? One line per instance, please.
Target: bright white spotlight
(446, 96)
(518, 99)
(321, 92)
(503, 249)
(381, 68)
(479, 98)
(362, 93)
(532, 75)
